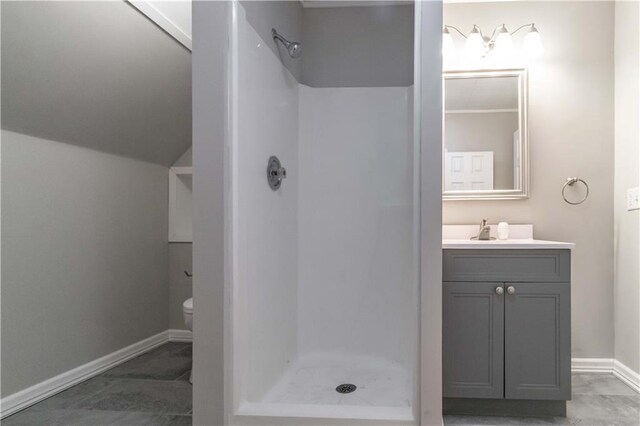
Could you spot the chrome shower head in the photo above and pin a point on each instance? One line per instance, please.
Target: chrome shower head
(293, 47)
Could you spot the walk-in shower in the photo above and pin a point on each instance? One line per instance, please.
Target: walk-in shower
(324, 286)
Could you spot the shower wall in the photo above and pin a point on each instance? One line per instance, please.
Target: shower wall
(356, 287)
(267, 237)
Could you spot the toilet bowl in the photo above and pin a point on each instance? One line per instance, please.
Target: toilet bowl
(187, 312)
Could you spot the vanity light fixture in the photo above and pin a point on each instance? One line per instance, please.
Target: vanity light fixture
(478, 45)
(448, 48)
(475, 44)
(503, 44)
(533, 43)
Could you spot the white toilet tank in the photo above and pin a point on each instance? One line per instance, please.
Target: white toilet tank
(187, 311)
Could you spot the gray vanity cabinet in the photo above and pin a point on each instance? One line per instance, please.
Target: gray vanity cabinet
(473, 340)
(537, 342)
(506, 324)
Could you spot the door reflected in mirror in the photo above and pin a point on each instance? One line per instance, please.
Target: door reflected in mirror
(485, 139)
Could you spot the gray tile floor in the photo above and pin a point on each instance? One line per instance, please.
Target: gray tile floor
(598, 400)
(152, 389)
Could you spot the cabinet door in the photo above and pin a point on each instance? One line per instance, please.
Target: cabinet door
(473, 338)
(538, 341)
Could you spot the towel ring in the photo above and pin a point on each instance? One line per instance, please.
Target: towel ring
(570, 182)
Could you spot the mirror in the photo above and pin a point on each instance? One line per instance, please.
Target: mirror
(485, 146)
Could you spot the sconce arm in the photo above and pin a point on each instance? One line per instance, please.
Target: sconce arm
(493, 34)
(523, 26)
(454, 28)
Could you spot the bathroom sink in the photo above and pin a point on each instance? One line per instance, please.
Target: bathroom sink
(520, 237)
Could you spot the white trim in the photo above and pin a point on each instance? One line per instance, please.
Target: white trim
(627, 375)
(592, 365)
(162, 21)
(608, 366)
(180, 335)
(36, 393)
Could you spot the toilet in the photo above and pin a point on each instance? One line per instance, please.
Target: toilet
(187, 312)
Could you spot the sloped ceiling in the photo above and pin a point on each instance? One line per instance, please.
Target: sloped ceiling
(95, 74)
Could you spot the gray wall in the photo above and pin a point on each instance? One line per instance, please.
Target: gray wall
(485, 132)
(180, 260)
(358, 46)
(105, 96)
(430, 116)
(95, 74)
(84, 256)
(185, 160)
(571, 134)
(211, 26)
(627, 175)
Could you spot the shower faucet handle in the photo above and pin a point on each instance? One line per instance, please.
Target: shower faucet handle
(275, 173)
(280, 173)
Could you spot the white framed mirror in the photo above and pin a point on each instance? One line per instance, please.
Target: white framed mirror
(485, 136)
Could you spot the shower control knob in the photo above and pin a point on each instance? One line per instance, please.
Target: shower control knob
(281, 173)
(499, 290)
(511, 290)
(275, 173)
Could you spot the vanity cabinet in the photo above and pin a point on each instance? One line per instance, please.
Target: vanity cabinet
(473, 340)
(507, 325)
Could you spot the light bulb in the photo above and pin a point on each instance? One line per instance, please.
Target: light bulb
(533, 43)
(503, 45)
(448, 48)
(475, 43)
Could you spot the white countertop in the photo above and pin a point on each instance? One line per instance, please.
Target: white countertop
(527, 243)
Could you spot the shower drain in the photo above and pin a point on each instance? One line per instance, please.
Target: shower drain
(346, 388)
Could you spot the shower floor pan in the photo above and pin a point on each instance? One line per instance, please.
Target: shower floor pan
(308, 389)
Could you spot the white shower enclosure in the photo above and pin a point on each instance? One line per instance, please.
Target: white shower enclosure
(324, 282)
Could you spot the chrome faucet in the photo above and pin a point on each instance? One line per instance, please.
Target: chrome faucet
(484, 233)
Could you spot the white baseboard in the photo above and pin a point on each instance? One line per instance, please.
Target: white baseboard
(36, 393)
(180, 335)
(627, 375)
(607, 365)
(592, 365)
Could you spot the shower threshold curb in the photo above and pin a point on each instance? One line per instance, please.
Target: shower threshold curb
(350, 412)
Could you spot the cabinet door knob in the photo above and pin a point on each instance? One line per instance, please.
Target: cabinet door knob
(511, 290)
(499, 290)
